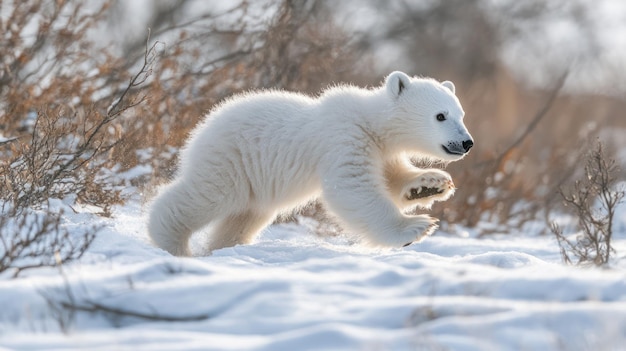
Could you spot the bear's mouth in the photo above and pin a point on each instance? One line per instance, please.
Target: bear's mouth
(451, 152)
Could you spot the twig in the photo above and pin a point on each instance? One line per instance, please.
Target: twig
(67, 308)
(94, 307)
(8, 141)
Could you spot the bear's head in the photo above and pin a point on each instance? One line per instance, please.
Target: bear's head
(427, 118)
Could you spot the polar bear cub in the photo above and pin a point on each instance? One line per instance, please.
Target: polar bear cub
(259, 154)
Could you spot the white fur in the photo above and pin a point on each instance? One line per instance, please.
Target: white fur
(259, 154)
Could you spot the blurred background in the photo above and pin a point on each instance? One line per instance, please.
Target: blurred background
(540, 81)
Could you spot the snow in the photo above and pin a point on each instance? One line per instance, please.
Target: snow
(295, 290)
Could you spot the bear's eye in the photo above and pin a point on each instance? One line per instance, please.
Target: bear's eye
(441, 117)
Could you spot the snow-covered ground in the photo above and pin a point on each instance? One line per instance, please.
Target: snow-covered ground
(294, 290)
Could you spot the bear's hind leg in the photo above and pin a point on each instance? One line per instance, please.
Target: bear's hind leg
(176, 214)
(239, 228)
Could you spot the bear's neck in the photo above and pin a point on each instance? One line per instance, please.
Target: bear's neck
(369, 109)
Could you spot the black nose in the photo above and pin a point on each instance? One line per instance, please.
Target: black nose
(467, 144)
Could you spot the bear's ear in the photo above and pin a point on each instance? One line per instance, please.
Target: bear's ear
(397, 82)
(448, 84)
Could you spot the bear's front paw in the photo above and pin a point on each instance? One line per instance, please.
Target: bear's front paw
(418, 228)
(432, 185)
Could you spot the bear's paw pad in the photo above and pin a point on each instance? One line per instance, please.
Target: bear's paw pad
(423, 192)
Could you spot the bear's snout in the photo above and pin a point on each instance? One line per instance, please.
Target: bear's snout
(458, 148)
(467, 145)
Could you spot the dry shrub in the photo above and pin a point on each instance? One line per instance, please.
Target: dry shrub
(32, 239)
(593, 200)
(62, 110)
